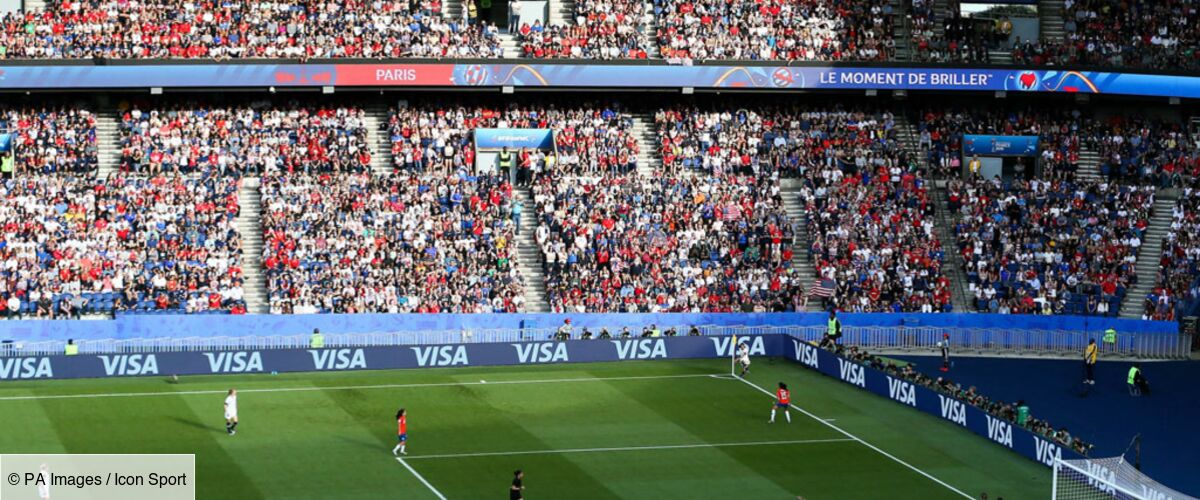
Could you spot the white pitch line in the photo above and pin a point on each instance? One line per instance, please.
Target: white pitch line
(349, 387)
(629, 448)
(422, 479)
(868, 445)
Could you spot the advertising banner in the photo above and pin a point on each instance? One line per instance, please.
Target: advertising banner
(379, 358)
(1000, 145)
(953, 410)
(514, 138)
(595, 76)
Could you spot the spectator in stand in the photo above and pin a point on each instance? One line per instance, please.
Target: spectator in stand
(1050, 247)
(817, 30)
(244, 140)
(236, 29)
(406, 243)
(161, 243)
(51, 140)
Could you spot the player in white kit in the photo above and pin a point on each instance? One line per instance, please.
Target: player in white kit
(231, 419)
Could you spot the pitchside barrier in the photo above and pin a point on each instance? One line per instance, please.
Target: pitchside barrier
(954, 410)
(905, 339)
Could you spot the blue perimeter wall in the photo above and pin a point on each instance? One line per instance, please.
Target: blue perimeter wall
(167, 325)
(1104, 414)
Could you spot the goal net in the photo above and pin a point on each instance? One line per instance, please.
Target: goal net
(1106, 478)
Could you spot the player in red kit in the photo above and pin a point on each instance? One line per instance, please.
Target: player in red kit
(401, 432)
(783, 399)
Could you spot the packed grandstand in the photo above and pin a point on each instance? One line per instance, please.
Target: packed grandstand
(283, 202)
(635, 208)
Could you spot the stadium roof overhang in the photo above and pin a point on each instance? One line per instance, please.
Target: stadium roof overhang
(90, 75)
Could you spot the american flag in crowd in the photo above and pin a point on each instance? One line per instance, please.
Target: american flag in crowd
(823, 287)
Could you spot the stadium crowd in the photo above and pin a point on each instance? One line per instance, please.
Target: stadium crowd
(240, 140)
(603, 29)
(1015, 412)
(768, 139)
(350, 243)
(74, 245)
(677, 244)
(236, 29)
(1179, 259)
(1049, 247)
(1142, 150)
(590, 139)
(51, 139)
(1148, 35)
(813, 30)
(1061, 132)
(958, 42)
(872, 233)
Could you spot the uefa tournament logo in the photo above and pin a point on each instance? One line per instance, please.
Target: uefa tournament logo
(1027, 80)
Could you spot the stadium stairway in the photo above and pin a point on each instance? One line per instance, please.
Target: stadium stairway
(952, 263)
(1089, 165)
(941, 12)
(807, 273)
(901, 30)
(381, 145)
(453, 9)
(910, 141)
(529, 256)
(1050, 19)
(108, 142)
(649, 27)
(249, 224)
(512, 50)
(643, 130)
(1001, 56)
(562, 13)
(1148, 254)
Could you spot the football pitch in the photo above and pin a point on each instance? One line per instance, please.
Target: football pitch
(659, 429)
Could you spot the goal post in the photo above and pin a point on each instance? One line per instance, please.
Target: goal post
(1106, 478)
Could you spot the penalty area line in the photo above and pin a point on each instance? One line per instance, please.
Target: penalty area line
(864, 443)
(630, 448)
(421, 478)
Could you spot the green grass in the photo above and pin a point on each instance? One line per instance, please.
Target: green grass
(333, 440)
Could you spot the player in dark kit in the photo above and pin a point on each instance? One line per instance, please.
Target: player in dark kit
(517, 490)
